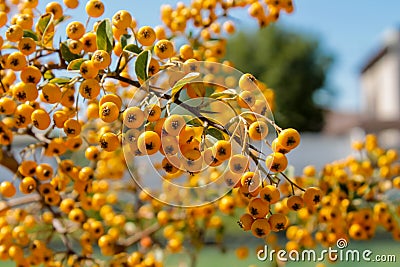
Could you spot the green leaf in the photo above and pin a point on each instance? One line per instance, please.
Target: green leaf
(225, 93)
(142, 65)
(182, 82)
(125, 39)
(63, 18)
(75, 64)
(44, 22)
(60, 80)
(195, 122)
(199, 89)
(8, 46)
(104, 36)
(48, 75)
(43, 26)
(66, 54)
(214, 132)
(31, 34)
(133, 49)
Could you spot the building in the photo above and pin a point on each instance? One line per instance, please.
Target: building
(380, 97)
(380, 86)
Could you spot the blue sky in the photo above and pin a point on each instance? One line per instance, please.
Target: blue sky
(352, 31)
(349, 29)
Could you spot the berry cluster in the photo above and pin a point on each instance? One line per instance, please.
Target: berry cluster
(355, 203)
(264, 203)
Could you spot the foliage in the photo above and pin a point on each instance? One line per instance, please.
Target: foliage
(294, 65)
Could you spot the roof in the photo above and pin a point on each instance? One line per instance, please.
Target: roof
(373, 125)
(337, 123)
(374, 58)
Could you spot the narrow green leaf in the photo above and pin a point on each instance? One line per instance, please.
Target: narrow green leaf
(125, 38)
(63, 18)
(60, 80)
(44, 30)
(142, 65)
(104, 36)
(182, 82)
(199, 88)
(225, 93)
(8, 46)
(66, 54)
(195, 122)
(44, 22)
(133, 49)
(31, 34)
(75, 64)
(214, 132)
(48, 75)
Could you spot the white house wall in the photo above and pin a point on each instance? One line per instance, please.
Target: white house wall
(380, 89)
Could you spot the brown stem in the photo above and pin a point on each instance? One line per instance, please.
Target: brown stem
(135, 238)
(19, 201)
(193, 259)
(8, 160)
(292, 183)
(2, 85)
(125, 80)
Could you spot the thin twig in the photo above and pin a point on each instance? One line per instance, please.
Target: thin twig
(135, 238)
(291, 182)
(19, 201)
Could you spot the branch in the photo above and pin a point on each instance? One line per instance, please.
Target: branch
(292, 183)
(8, 160)
(135, 238)
(19, 201)
(124, 79)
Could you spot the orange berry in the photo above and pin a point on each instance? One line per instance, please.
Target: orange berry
(164, 49)
(109, 112)
(72, 127)
(258, 130)
(270, 194)
(7, 189)
(258, 208)
(239, 163)
(312, 196)
(245, 221)
(149, 142)
(94, 8)
(174, 124)
(295, 203)
(289, 138)
(146, 36)
(260, 228)
(276, 162)
(278, 222)
(223, 150)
